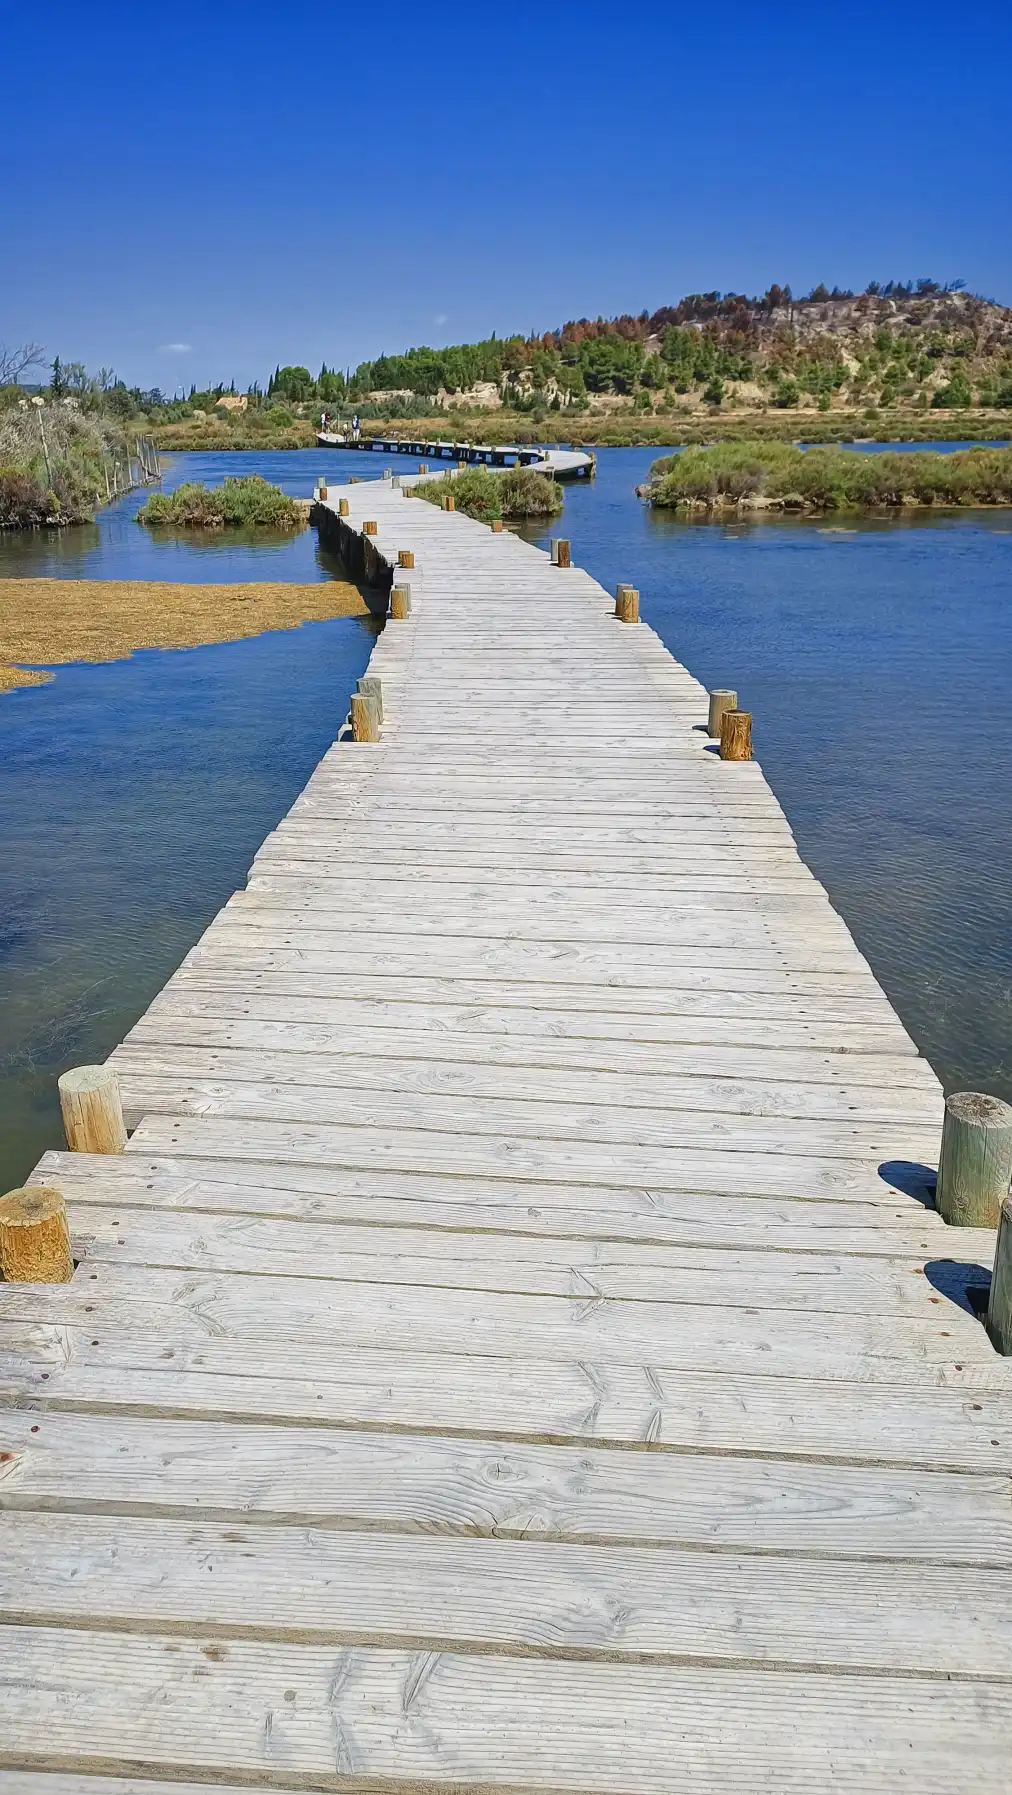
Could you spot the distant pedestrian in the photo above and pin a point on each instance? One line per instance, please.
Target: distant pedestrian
(354, 427)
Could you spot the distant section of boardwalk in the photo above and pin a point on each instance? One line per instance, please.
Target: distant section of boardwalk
(561, 464)
(514, 1350)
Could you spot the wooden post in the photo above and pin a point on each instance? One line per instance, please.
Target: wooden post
(719, 703)
(323, 487)
(400, 603)
(448, 503)
(388, 473)
(365, 722)
(999, 1305)
(342, 507)
(627, 604)
(461, 466)
(92, 1110)
(423, 467)
(34, 1237)
(736, 735)
(369, 529)
(975, 1163)
(405, 557)
(497, 526)
(372, 687)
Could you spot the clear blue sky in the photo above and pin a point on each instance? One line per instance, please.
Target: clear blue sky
(296, 184)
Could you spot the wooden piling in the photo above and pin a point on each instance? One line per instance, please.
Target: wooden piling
(405, 557)
(369, 529)
(736, 735)
(342, 507)
(365, 719)
(497, 526)
(372, 687)
(720, 702)
(322, 488)
(423, 467)
(999, 1305)
(975, 1163)
(627, 604)
(559, 550)
(92, 1110)
(448, 502)
(34, 1237)
(400, 603)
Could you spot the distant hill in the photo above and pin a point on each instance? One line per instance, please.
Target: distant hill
(915, 345)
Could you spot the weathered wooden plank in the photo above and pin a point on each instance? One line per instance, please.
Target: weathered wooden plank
(426, 1719)
(416, 1483)
(341, 1589)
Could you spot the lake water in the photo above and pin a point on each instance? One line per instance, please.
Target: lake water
(134, 795)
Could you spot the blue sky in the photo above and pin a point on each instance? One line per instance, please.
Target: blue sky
(205, 190)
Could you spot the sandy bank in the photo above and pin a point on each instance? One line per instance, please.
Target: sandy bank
(46, 623)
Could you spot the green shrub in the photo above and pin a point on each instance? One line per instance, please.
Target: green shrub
(486, 494)
(829, 479)
(24, 504)
(249, 502)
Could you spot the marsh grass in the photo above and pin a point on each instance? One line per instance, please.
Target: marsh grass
(781, 475)
(514, 493)
(249, 502)
(49, 622)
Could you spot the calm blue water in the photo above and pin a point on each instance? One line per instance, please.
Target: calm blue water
(874, 656)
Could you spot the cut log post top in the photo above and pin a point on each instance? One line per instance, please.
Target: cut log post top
(372, 687)
(627, 604)
(999, 1306)
(92, 1110)
(369, 528)
(975, 1163)
(400, 603)
(736, 735)
(405, 557)
(34, 1237)
(365, 718)
(342, 507)
(720, 702)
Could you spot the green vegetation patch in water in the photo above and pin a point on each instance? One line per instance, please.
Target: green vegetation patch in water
(781, 476)
(515, 493)
(239, 503)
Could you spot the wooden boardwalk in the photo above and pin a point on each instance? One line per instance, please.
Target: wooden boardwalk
(513, 1352)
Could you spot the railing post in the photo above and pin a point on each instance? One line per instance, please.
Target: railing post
(34, 1237)
(372, 687)
(736, 735)
(92, 1110)
(999, 1306)
(627, 604)
(975, 1162)
(365, 722)
(719, 703)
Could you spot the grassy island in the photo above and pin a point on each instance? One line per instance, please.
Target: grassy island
(764, 476)
(516, 493)
(250, 502)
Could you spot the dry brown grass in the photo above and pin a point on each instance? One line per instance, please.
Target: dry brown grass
(46, 623)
